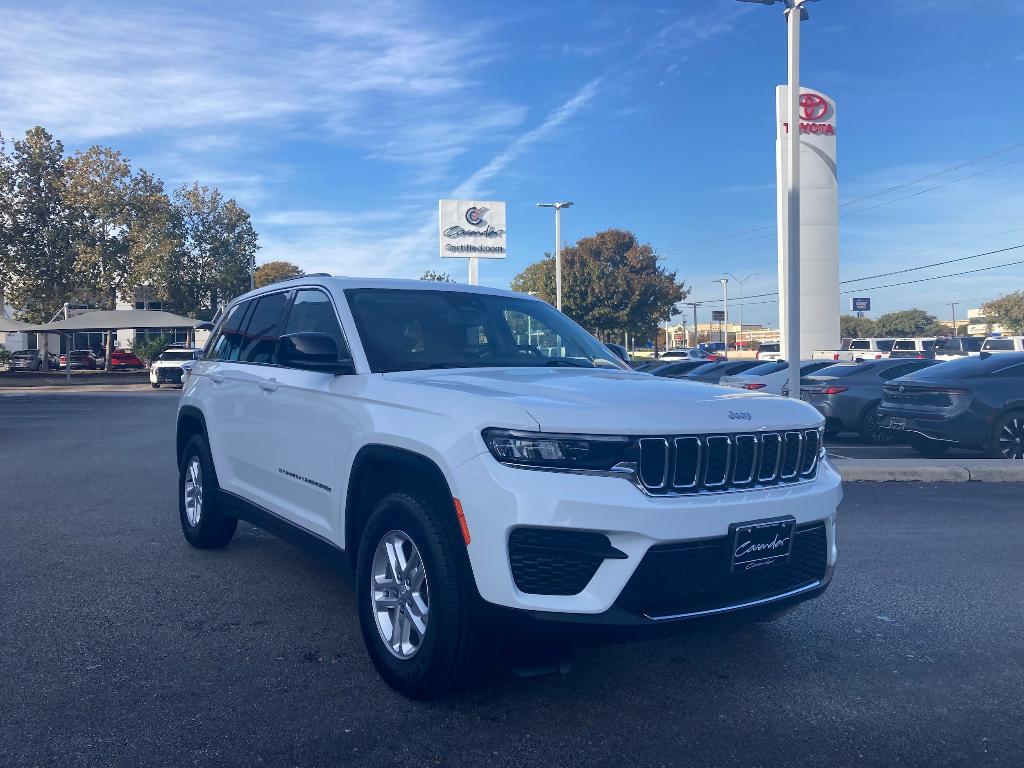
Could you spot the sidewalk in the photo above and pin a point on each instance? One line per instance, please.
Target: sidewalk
(930, 470)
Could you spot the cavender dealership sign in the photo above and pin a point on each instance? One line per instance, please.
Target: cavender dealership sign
(472, 228)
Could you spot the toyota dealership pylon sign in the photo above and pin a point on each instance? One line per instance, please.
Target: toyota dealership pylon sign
(819, 218)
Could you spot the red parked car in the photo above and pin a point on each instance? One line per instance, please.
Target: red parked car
(122, 360)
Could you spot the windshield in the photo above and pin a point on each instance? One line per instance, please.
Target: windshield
(905, 345)
(410, 330)
(177, 355)
(998, 344)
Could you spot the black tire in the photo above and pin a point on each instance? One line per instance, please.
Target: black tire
(449, 649)
(931, 449)
(154, 386)
(869, 430)
(211, 529)
(1007, 438)
(833, 428)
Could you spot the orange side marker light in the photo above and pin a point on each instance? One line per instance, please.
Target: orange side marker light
(463, 526)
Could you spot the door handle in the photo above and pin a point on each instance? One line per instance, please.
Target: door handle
(269, 385)
(217, 378)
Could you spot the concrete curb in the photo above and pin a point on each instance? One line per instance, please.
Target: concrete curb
(930, 470)
(11, 380)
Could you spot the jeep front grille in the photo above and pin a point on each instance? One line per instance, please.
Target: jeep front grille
(710, 463)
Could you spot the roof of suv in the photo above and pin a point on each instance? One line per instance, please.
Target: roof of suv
(344, 283)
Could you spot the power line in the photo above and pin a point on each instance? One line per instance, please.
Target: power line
(909, 282)
(716, 242)
(901, 271)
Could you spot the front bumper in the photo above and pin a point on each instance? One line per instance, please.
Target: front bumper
(497, 500)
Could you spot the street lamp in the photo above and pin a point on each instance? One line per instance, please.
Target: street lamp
(952, 306)
(725, 325)
(558, 248)
(741, 282)
(791, 265)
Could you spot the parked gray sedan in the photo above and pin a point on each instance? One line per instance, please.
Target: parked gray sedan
(848, 395)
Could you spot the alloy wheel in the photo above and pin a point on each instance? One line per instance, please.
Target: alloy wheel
(398, 589)
(194, 491)
(1011, 438)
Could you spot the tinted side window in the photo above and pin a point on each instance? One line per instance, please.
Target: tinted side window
(860, 345)
(313, 311)
(263, 328)
(899, 370)
(972, 345)
(224, 345)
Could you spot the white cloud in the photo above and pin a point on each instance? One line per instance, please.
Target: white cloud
(90, 75)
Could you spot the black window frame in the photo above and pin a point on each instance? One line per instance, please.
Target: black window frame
(344, 348)
(281, 320)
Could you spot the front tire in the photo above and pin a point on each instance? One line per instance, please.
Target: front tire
(1007, 440)
(154, 385)
(870, 430)
(415, 607)
(202, 517)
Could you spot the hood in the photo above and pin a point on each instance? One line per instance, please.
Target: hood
(619, 402)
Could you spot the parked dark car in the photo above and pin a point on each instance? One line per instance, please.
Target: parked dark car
(974, 402)
(31, 360)
(649, 365)
(620, 351)
(681, 368)
(80, 359)
(848, 395)
(122, 360)
(711, 373)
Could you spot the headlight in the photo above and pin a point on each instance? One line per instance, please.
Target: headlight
(568, 452)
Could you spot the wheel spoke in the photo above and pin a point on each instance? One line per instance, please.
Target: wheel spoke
(400, 600)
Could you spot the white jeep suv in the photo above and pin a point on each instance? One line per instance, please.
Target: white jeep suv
(488, 468)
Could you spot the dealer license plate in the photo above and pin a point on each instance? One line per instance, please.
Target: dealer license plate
(761, 543)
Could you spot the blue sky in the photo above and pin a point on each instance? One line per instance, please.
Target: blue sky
(339, 125)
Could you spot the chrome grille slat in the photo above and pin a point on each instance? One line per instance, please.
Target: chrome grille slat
(691, 464)
(716, 446)
(689, 453)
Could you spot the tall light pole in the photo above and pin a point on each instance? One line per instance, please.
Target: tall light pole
(791, 267)
(725, 325)
(558, 248)
(741, 282)
(952, 306)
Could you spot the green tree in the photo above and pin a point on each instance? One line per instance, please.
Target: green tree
(274, 272)
(853, 327)
(1008, 311)
(907, 322)
(437, 277)
(37, 256)
(610, 283)
(148, 348)
(5, 356)
(123, 225)
(216, 245)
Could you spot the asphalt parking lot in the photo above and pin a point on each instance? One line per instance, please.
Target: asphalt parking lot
(121, 645)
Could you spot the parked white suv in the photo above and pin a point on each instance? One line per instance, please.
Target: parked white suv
(480, 486)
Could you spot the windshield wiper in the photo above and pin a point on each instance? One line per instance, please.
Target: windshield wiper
(569, 363)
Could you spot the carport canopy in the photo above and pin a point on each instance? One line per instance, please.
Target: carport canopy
(112, 320)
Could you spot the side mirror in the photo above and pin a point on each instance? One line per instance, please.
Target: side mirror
(312, 352)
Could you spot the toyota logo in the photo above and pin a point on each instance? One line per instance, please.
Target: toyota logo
(812, 106)
(475, 216)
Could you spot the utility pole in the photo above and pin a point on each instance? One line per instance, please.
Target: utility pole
(725, 324)
(693, 305)
(953, 306)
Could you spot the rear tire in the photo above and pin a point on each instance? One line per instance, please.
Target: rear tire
(154, 386)
(202, 517)
(1007, 439)
(832, 428)
(870, 432)
(437, 600)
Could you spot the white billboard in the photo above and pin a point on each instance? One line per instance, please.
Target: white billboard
(819, 218)
(472, 229)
